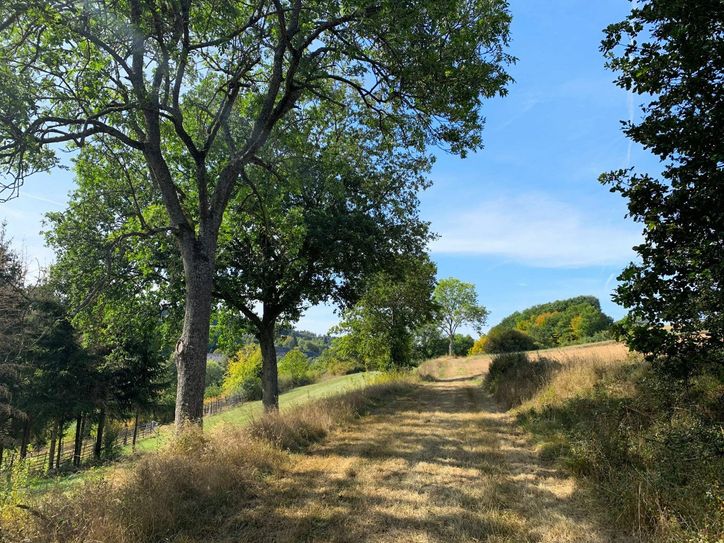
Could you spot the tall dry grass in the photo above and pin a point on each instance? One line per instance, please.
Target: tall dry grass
(651, 449)
(192, 487)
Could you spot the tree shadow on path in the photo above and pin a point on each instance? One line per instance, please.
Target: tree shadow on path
(440, 463)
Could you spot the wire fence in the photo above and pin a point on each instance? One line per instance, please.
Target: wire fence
(37, 461)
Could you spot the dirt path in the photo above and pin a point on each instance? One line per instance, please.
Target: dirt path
(439, 464)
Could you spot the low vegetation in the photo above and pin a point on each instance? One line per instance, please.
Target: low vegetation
(651, 448)
(512, 378)
(192, 486)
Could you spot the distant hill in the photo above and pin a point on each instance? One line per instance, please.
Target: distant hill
(311, 344)
(561, 322)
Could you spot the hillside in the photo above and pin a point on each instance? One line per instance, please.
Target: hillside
(560, 322)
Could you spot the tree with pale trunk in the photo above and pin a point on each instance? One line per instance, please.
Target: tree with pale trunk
(458, 305)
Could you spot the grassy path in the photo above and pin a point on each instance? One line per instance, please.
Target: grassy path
(439, 464)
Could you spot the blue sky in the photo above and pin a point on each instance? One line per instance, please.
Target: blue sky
(524, 219)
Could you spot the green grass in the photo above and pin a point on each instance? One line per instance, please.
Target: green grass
(237, 416)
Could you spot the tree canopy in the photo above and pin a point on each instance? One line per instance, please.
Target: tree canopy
(380, 327)
(672, 53)
(193, 90)
(457, 304)
(560, 322)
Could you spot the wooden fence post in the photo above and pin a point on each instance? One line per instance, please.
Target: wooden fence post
(51, 453)
(99, 433)
(78, 439)
(135, 431)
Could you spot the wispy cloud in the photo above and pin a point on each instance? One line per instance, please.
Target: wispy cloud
(630, 105)
(43, 199)
(536, 230)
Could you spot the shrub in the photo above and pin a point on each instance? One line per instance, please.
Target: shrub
(512, 378)
(243, 374)
(478, 346)
(508, 341)
(294, 369)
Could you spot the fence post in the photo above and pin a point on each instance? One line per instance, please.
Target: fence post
(59, 459)
(135, 430)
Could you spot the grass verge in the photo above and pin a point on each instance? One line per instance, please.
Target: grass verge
(193, 485)
(651, 449)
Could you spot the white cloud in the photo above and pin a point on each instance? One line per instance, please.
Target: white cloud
(537, 230)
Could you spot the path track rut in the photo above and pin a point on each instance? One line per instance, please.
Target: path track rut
(438, 464)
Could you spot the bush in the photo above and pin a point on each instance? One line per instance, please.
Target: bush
(512, 378)
(507, 341)
(243, 374)
(294, 370)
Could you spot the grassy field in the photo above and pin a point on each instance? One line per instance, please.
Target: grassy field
(245, 412)
(431, 462)
(474, 366)
(237, 416)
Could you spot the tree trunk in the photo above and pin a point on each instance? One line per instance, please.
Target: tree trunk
(59, 458)
(269, 375)
(78, 440)
(25, 440)
(51, 452)
(135, 431)
(99, 434)
(192, 347)
(450, 345)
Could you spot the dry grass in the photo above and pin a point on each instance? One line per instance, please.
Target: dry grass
(648, 447)
(188, 490)
(434, 462)
(440, 463)
(581, 368)
(472, 366)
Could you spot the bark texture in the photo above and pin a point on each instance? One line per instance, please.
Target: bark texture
(269, 374)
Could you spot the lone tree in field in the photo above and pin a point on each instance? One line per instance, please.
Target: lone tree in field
(379, 327)
(458, 305)
(672, 52)
(194, 89)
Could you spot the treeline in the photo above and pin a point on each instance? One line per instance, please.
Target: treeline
(553, 324)
(58, 383)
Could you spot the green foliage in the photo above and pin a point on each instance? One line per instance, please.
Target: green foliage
(513, 378)
(502, 340)
(14, 308)
(243, 374)
(311, 344)
(670, 52)
(429, 343)
(229, 330)
(215, 373)
(457, 305)
(340, 358)
(380, 327)
(294, 367)
(559, 323)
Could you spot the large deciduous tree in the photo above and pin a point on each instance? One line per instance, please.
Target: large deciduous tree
(195, 88)
(330, 203)
(672, 53)
(458, 305)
